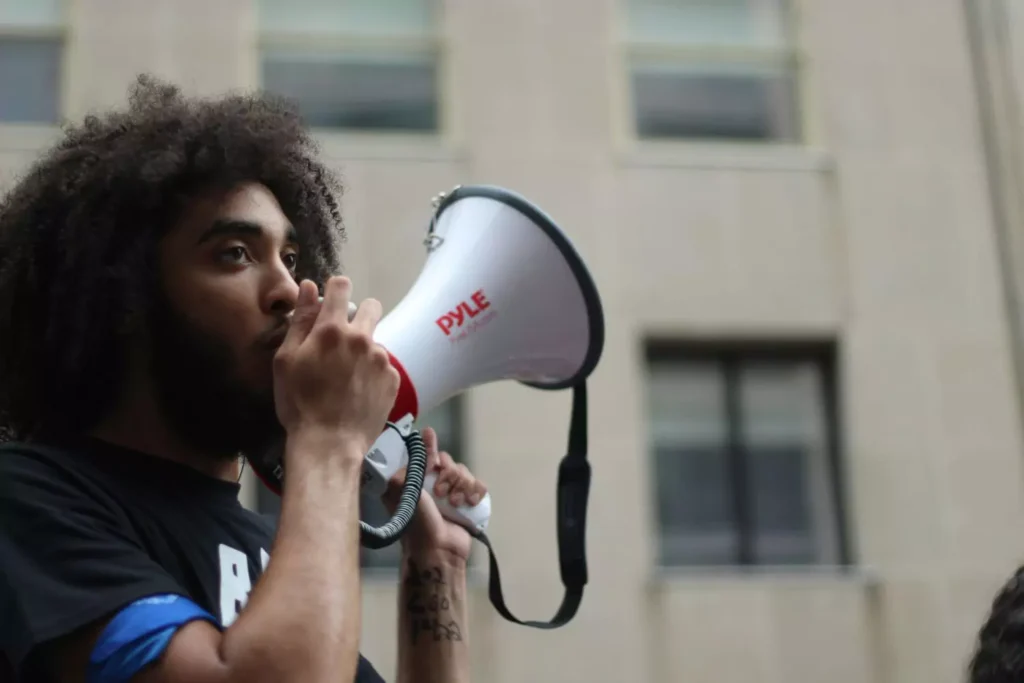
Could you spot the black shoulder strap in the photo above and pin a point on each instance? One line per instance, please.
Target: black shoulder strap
(573, 492)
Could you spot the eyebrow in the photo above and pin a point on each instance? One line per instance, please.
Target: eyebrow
(239, 228)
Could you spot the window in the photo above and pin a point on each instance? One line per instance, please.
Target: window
(446, 420)
(31, 60)
(369, 65)
(712, 69)
(744, 454)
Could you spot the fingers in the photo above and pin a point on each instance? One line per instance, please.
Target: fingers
(457, 483)
(368, 315)
(430, 443)
(338, 309)
(454, 480)
(334, 310)
(338, 317)
(306, 309)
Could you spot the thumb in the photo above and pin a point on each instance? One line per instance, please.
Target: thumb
(304, 315)
(430, 443)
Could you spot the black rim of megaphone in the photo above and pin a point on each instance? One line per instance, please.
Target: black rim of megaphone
(591, 298)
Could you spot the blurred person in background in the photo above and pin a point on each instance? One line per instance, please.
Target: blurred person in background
(149, 265)
(999, 652)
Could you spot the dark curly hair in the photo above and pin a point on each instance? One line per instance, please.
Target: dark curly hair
(999, 654)
(79, 235)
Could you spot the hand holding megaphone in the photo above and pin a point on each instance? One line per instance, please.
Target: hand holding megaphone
(470, 517)
(388, 455)
(328, 373)
(503, 295)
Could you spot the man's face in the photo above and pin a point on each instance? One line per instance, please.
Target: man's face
(228, 282)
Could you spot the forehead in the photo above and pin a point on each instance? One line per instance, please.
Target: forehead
(248, 203)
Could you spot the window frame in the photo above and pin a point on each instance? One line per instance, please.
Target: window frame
(60, 32)
(627, 50)
(732, 356)
(342, 41)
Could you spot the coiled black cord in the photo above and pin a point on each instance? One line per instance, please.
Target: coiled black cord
(415, 471)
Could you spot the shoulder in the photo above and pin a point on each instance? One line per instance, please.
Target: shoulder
(69, 553)
(64, 486)
(20, 459)
(56, 496)
(54, 503)
(36, 474)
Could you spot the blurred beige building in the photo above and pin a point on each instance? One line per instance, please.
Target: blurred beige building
(806, 225)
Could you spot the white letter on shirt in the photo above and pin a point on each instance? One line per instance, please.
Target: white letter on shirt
(234, 584)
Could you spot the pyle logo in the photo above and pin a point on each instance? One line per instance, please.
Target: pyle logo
(465, 311)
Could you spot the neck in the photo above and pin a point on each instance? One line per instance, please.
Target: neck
(136, 423)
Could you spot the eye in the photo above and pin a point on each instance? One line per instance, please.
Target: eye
(291, 261)
(233, 255)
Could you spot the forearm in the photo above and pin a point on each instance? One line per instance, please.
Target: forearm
(432, 620)
(303, 620)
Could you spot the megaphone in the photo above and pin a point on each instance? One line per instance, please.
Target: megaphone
(503, 295)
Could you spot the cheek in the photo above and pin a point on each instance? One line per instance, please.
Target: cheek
(223, 311)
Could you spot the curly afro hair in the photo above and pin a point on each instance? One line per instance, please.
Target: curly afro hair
(999, 655)
(79, 236)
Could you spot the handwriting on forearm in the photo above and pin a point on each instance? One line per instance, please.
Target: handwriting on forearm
(428, 605)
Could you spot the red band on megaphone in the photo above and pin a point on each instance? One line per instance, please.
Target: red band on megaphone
(269, 482)
(406, 402)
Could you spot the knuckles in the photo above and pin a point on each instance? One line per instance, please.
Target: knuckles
(361, 343)
(379, 357)
(329, 335)
(282, 361)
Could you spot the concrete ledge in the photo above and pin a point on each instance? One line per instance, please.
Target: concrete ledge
(725, 155)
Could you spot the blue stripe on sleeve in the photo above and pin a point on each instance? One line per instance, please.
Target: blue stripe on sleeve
(138, 635)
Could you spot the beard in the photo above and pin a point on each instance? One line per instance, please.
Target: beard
(201, 392)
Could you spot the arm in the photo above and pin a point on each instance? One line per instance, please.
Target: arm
(433, 624)
(302, 621)
(432, 619)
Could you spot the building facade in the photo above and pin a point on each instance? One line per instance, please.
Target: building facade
(806, 426)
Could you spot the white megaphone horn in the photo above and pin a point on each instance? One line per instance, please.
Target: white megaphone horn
(503, 295)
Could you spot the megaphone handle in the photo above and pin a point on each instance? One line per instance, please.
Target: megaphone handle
(472, 517)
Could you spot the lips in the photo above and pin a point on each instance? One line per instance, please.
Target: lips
(274, 340)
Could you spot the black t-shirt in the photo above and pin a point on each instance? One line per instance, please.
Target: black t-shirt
(87, 528)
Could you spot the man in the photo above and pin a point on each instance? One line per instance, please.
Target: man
(149, 265)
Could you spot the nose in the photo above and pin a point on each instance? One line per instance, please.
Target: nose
(281, 292)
